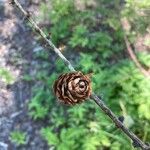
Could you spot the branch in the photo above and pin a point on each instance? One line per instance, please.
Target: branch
(131, 53)
(136, 141)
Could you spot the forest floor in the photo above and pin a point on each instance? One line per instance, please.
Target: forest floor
(17, 46)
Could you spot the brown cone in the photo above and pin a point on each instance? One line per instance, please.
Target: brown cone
(72, 88)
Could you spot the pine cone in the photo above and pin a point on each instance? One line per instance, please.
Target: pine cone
(72, 88)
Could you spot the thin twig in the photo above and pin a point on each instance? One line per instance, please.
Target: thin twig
(136, 141)
(132, 55)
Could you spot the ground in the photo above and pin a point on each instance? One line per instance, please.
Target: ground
(17, 46)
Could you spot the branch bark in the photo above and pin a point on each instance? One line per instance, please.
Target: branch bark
(136, 141)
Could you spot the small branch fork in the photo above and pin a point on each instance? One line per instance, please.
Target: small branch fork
(136, 141)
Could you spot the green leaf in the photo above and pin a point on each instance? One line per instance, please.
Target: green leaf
(6, 76)
(49, 136)
(18, 137)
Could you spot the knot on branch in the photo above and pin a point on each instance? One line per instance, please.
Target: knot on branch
(12, 2)
(27, 16)
(121, 118)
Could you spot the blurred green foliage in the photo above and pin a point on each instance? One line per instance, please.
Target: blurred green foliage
(6, 76)
(95, 33)
(18, 137)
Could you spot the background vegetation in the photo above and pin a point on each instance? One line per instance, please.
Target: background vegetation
(90, 34)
